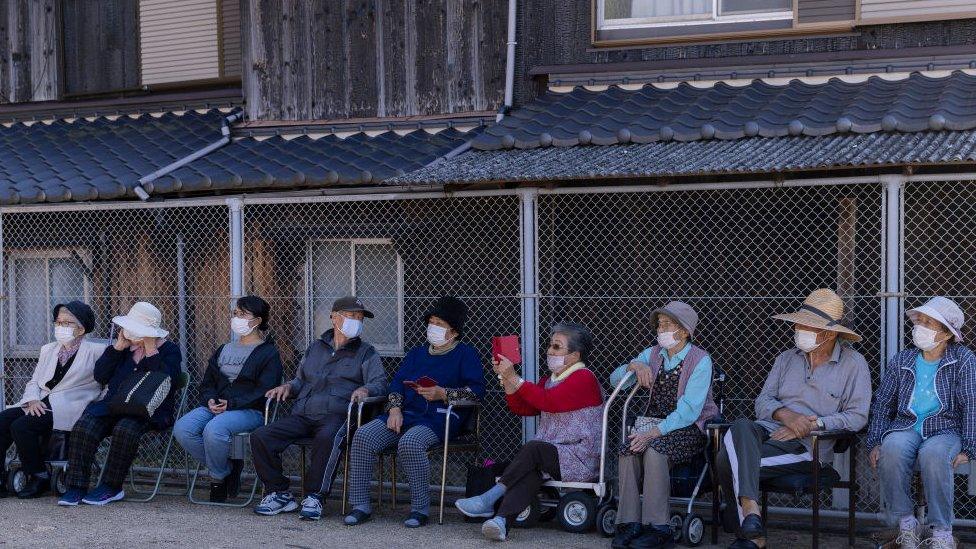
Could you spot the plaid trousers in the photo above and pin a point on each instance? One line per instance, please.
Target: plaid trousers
(412, 445)
(88, 433)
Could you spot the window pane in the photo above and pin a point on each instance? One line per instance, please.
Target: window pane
(739, 7)
(30, 302)
(670, 8)
(377, 284)
(331, 279)
(67, 280)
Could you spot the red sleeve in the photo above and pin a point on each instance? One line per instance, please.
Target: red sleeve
(518, 406)
(580, 390)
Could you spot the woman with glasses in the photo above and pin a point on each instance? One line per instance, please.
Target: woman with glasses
(238, 375)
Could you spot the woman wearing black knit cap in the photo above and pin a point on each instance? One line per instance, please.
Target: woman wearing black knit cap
(62, 386)
(416, 412)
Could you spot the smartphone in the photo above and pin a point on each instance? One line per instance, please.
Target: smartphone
(426, 381)
(508, 347)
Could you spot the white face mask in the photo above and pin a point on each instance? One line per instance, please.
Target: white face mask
(64, 334)
(436, 335)
(556, 363)
(351, 327)
(805, 340)
(241, 326)
(667, 339)
(130, 336)
(924, 338)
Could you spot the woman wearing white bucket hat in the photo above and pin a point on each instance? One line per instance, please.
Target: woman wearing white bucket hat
(140, 347)
(924, 413)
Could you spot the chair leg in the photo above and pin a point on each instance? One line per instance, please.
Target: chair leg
(379, 497)
(302, 457)
(852, 497)
(816, 504)
(393, 483)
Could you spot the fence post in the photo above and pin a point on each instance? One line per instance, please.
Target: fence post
(893, 291)
(3, 321)
(528, 200)
(236, 206)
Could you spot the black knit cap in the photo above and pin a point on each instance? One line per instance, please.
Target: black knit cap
(79, 310)
(451, 310)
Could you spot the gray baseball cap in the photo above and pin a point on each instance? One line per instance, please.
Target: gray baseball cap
(351, 304)
(681, 312)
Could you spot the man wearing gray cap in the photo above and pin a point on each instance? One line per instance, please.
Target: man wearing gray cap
(337, 367)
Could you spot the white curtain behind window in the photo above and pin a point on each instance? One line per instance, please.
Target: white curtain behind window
(670, 8)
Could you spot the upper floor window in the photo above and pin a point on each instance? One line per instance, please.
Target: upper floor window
(642, 13)
(36, 282)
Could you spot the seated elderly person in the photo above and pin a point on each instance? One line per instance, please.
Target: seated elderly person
(924, 414)
(417, 413)
(62, 385)
(822, 383)
(671, 430)
(569, 403)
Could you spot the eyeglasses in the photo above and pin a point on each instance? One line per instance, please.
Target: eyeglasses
(65, 324)
(243, 314)
(557, 347)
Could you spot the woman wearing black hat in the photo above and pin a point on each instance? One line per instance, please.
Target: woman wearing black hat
(416, 414)
(62, 386)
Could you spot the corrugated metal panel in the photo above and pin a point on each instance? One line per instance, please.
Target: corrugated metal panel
(178, 40)
(230, 36)
(912, 9)
(818, 11)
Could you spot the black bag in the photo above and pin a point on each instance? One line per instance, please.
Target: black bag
(480, 479)
(140, 394)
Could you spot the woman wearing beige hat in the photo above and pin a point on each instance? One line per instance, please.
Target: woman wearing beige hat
(924, 414)
(678, 375)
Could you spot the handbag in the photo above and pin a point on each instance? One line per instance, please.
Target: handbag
(140, 395)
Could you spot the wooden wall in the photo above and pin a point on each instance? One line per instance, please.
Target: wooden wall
(29, 50)
(367, 58)
(104, 60)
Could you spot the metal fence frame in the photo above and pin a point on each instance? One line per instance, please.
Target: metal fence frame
(892, 242)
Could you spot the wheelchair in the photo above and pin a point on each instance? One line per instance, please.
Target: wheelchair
(56, 461)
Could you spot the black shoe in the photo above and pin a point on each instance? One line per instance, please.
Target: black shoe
(752, 527)
(416, 520)
(233, 480)
(743, 544)
(218, 492)
(653, 537)
(625, 534)
(36, 487)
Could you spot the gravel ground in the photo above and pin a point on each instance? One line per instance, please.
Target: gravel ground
(173, 521)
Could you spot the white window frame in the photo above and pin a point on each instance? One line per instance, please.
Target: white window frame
(681, 20)
(17, 349)
(395, 350)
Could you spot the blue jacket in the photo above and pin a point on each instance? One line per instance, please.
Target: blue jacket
(115, 366)
(955, 385)
(457, 369)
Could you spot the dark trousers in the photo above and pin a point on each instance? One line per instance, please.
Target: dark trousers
(268, 442)
(524, 476)
(30, 433)
(88, 433)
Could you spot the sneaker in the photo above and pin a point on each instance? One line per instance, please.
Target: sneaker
(938, 542)
(103, 495)
(311, 507)
(72, 497)
(276, 502)
(908, 539)
(494, 529)
(474, 507)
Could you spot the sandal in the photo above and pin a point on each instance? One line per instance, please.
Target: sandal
(416, 520)
(356, 517)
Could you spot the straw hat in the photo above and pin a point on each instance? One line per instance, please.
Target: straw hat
(822, 309)
(143, 320)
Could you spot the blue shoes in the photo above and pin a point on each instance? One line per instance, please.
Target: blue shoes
(276, 502)
(103, 495)
(311, 507)
(72, 497)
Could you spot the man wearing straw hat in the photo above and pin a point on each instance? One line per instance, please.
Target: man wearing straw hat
(822, 383)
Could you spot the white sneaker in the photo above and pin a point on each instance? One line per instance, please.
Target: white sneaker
(908, 539)
(938, 543)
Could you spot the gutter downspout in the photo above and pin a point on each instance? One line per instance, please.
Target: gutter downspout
(144, 187)
(509, 62)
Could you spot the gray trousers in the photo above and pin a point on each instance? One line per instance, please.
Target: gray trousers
(748, 456)
(650, 473)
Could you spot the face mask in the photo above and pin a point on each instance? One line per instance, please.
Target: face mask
(556, 363)
(351, 327)
(436, 335)
(805, 341)
(64, 334)
(666, 339)
(241, 326)
(924, 338)
(128, 335)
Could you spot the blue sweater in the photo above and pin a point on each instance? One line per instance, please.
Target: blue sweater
(459, 368)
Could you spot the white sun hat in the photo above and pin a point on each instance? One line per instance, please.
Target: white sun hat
(944, 311)
(143, 320)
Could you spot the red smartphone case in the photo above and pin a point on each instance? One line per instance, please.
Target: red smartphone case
(508, 347)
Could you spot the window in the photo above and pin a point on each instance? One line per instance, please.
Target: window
(636, 19)
(369, 269)
(38, 281)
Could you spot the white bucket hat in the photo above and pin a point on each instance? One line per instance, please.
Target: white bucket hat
(143, 320)
(944, 311)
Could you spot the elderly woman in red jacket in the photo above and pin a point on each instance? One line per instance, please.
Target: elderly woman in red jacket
(569, 403)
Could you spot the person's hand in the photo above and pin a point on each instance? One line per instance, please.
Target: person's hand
(800, 424)
(960, 459)
(432, 393)
(151, 345)
(503, 367)
(121, 343)
(395, 420)
(875, 454)
(783, 434)
(34, 408)
(643, 373)
(359, 394)
(280, 392)
(212, 406)
(639, 441)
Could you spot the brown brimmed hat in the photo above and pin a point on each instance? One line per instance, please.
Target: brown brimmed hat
(822, 309)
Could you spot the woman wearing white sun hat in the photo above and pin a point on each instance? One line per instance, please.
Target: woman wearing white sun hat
(141, 346)
(924, 413)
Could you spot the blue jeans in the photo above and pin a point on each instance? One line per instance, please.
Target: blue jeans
(207, 437)
(896, 465)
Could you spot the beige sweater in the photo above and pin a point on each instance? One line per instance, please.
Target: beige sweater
(78, 387)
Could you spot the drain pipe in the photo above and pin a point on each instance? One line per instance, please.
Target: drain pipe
(145, 181)
(509, 62)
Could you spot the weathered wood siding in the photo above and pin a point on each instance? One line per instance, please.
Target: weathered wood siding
(876, 10)
(30, 50)
(823, 11)
(367, 58)
(105, 60)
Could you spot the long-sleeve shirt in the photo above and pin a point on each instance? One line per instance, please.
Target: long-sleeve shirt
(838, 391)
(115, 366)
(580, 390)
(690, 404)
